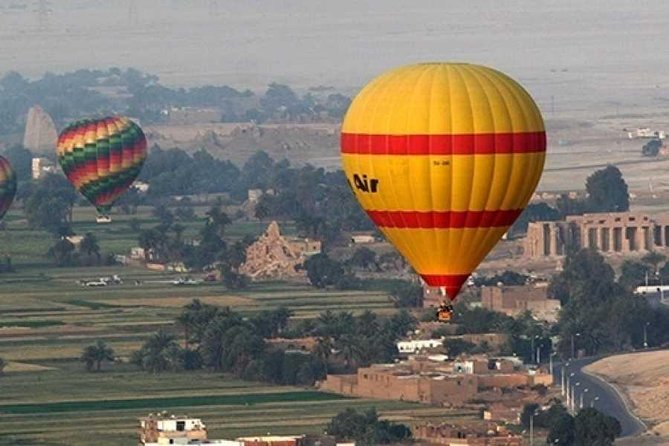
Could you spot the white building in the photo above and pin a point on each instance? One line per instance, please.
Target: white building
(160, 429)
(40, 166)
(358, 239)
(141, 186)
(418, 345)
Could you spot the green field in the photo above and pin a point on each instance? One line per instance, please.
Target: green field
(46, 319)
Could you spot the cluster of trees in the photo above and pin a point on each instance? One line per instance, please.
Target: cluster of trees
(361, 340)
(221, 340)
(319, 202)
(69, 96)
(325, 272)
(526, 335)
(652, 147)
(588, 427)
(176, 172)
(606, 191)
(65, 253)
(165, 243)
(96, 354)
(49, 203)
(366, 429)
(599, 312)
(508, 278)
(652, 269)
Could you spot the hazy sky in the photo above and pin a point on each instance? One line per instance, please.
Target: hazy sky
(608, 51)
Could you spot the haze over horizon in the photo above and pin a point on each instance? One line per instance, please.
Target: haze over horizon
(571, 55)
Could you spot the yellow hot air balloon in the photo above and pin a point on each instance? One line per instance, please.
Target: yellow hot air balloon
(443, 157)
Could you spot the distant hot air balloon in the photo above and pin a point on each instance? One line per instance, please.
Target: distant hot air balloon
(102, 158)
(443, 157)
(7, 186)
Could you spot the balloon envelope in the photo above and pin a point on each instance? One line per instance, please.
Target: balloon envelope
(7, 186)
(443, 158)
(102, 157)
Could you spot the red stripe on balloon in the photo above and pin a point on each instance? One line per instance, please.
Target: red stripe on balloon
(465, 144)
(444, 219)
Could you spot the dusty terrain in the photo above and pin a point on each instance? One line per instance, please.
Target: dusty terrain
(643, 378)
(317, 143)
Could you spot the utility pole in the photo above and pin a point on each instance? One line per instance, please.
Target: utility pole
(532, 426)
(581, 402)
(572, 344)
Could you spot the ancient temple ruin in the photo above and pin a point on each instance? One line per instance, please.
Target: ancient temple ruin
(274, 256)
(620, 232)
(40, 134)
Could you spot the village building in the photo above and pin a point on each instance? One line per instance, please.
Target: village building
(440, 383)
(40, 167)
(359, 238)
(608, 233)
(503, 413)
(274, 256)
(418, 345)
(478, 434)
(170, 429)
(272, 441)
(163, 429)
(516, 300)
(428, 330)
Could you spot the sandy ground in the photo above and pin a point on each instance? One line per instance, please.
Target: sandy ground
(644, 380)
(16, 367)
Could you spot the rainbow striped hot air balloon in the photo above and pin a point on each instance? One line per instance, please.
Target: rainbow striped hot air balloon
(7, 186)
(443, 157)
(102, 158)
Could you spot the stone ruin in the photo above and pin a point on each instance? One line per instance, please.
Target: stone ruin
(274, 256)
(40, 134)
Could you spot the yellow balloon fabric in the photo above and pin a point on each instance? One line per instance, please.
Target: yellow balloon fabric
(443, 157)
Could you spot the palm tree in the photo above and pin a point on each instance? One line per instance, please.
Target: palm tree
(159, 353)
(89, 245)
(95, 354)
(326, 323)
(61, 252)
(323, 351)
(218, 220)
(349, 349)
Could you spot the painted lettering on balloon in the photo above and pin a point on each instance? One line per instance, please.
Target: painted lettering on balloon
(364, 184)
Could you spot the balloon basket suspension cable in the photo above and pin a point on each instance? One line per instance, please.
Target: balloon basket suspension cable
(445, 311)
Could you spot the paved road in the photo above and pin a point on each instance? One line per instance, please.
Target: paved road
(600, 395)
